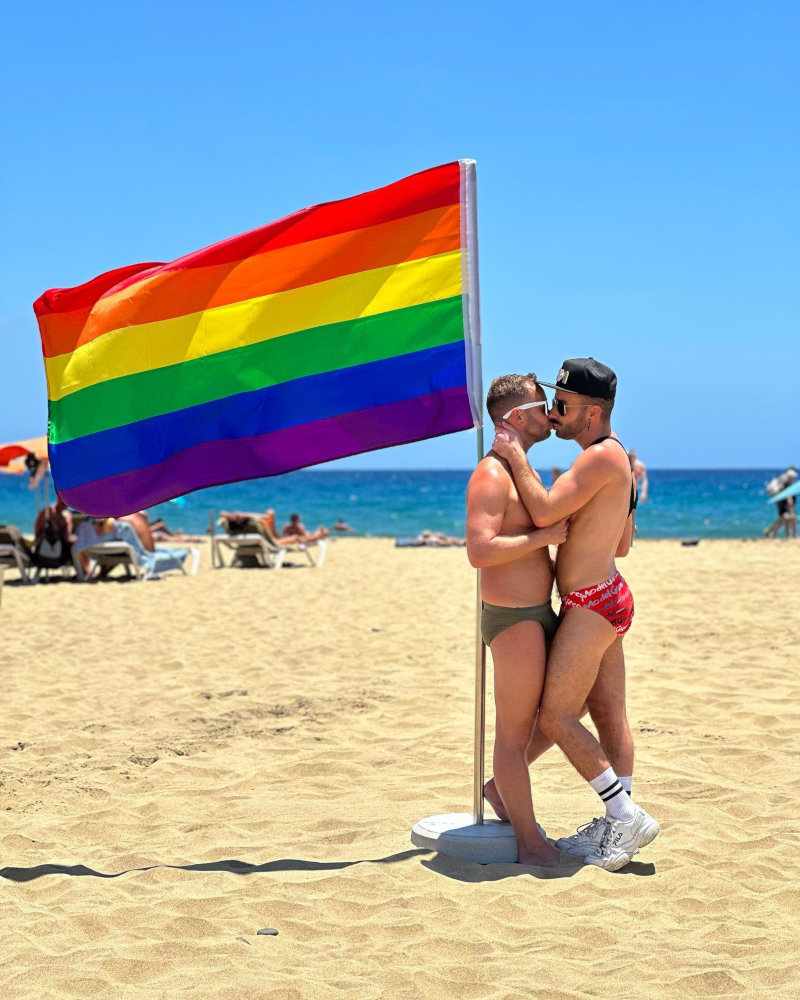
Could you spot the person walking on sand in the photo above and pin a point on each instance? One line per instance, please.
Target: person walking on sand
(786, 509)
(598, 495)
(517, 619)
(791, 518)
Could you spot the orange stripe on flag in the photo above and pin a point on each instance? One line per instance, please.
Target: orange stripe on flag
(168, 294)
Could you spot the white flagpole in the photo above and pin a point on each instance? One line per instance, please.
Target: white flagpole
(472, 339)
(480, 693)
(463, 835)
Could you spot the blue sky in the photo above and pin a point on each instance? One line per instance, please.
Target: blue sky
(638, 165)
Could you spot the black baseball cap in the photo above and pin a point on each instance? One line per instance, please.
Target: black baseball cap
(586, 377)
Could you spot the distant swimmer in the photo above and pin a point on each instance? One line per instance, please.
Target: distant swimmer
(586, 663)
(639, 470)
(342, 527)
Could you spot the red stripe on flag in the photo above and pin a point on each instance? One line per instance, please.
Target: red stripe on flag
(434, 188)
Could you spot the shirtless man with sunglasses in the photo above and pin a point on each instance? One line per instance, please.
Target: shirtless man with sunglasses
(517, 618)
(585, 663)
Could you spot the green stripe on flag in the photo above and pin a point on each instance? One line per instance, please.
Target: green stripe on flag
(281, 359)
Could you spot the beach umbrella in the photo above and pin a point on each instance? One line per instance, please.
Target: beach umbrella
(11, 453)
(14, 455)
(790, 491)
(28, 455)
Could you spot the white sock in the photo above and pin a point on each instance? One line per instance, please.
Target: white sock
(627, 783)
(618, 805)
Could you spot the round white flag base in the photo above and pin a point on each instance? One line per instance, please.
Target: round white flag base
(457, 836)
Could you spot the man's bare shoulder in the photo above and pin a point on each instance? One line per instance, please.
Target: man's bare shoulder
(490, 473)
(605, 458)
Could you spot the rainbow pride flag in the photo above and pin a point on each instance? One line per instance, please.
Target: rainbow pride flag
(346, 327)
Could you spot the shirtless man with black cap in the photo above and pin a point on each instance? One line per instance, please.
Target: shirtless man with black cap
(598, 496)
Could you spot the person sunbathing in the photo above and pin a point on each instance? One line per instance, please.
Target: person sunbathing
(60, 518)
(435, 538)
(242, 521)
(141, 525)
(298, 533)
(152, 531)
(266, 524)
(91, 531)
(53, 536)
(126, 529)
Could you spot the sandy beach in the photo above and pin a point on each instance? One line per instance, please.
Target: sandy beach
(189, 760)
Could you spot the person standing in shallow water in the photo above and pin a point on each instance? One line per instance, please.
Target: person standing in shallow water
(517, 619)
(639, 470)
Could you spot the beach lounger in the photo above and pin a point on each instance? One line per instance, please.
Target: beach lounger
(253, 529)
(14, 552)
(106, 557)
(126, 551)
(314, 551)
(65, 571)
(247, 546)
(46, 562)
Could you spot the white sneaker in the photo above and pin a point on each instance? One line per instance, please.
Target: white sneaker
(622, 840)
(586, 840)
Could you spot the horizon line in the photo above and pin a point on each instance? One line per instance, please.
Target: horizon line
(459, 468)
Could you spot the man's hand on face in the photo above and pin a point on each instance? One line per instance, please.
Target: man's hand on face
(507, 444)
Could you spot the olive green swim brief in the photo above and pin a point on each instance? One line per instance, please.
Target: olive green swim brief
(495, 619)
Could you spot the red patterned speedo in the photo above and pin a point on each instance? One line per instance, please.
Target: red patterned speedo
(612, 599)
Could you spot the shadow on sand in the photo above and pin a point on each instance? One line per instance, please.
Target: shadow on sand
(232, 867)
(440, 864)
(464, 871)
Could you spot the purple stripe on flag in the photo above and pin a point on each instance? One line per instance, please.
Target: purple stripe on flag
(215, 462)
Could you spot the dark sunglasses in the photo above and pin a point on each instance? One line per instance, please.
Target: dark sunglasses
(561, 406)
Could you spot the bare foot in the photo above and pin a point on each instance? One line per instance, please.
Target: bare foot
(544, 855)
(492, 796)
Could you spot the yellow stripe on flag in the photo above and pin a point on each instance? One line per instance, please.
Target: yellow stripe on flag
(141, 348)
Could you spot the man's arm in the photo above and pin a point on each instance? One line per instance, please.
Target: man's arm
(487, 497)
(572, 490)
(626, 541)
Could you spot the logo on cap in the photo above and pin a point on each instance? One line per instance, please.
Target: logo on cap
(563, 376)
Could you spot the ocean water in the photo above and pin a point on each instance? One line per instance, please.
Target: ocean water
(711, 503)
